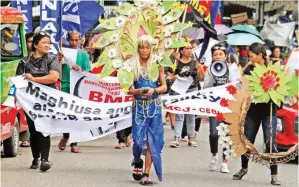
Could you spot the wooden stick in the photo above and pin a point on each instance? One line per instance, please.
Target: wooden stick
(271, 127)
(60, 64)
(181, 32)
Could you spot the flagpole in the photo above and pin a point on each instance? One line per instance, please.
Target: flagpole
(60, 64)
(60, 42)
(181, 32)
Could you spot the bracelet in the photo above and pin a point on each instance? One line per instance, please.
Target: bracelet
(155, 91)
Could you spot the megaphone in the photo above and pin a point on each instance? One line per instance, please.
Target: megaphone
(10, 100)
(219, 68)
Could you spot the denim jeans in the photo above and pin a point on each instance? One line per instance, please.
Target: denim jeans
(197, 126)
(179, 122)
(253, 121)
(214, 136)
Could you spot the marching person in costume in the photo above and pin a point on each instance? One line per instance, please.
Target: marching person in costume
(42, 68)
(147, 126)
(137, 44)
(219, 53)
(259, 114)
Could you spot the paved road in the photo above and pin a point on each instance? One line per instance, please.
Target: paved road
(100, 165)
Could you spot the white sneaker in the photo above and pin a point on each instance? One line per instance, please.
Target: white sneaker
(213, 164)
(224, 168)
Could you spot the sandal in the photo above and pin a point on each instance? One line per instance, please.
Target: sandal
(146, 181)
(128, 141)
(175, 144)
(75, 149)
(62, 144)
(120, 146)
(25, 144)
(185, 139)
(192, 144)
(137, 170)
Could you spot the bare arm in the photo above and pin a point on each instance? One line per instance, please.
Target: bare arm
(133, 91)
(51, 78)
(163, 87)
(200, 72)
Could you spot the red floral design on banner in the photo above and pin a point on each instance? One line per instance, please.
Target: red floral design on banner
(224, 102)
(231, 89)
(220, 117)
(297, 72)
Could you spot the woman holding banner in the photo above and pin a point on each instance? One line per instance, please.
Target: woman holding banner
(259, 114)
(186, 67)
(147, 126)
(42, 68)
(219, 53)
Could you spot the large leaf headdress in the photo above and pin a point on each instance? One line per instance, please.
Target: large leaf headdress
(157, 19)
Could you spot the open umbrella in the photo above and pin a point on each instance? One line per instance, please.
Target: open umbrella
(220, 28)
(243, 38)
(246, 28)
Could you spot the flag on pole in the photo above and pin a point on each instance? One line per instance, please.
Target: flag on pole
(70, 19)
(26, 9)
(90, 12)
(50, 22)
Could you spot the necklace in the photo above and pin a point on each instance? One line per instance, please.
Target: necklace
(144, 73)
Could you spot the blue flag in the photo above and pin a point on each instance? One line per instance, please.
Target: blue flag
(90, 12)
(26, 8)
(50, 22)
(70, 19)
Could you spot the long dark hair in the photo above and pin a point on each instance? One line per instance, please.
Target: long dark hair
(257, 49)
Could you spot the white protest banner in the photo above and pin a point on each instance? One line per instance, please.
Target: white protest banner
(206, 102)
(100, 132)
(88, 86)
(54, 111)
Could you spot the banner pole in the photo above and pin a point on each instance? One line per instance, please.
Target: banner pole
(181, 32)
(60, 64)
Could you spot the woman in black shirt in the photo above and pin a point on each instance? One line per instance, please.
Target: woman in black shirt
(42, 68)
(259, 114)
(186, 67)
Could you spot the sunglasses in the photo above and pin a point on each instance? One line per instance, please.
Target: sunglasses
(42, 33)
(219, 47)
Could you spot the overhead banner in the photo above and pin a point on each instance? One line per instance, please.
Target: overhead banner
(54, 111)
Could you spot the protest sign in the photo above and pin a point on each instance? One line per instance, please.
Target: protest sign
(54, 111)
(88, 86)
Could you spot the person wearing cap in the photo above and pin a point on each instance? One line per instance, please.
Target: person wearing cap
(219, 53)
(42, 68)
(82, 63)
